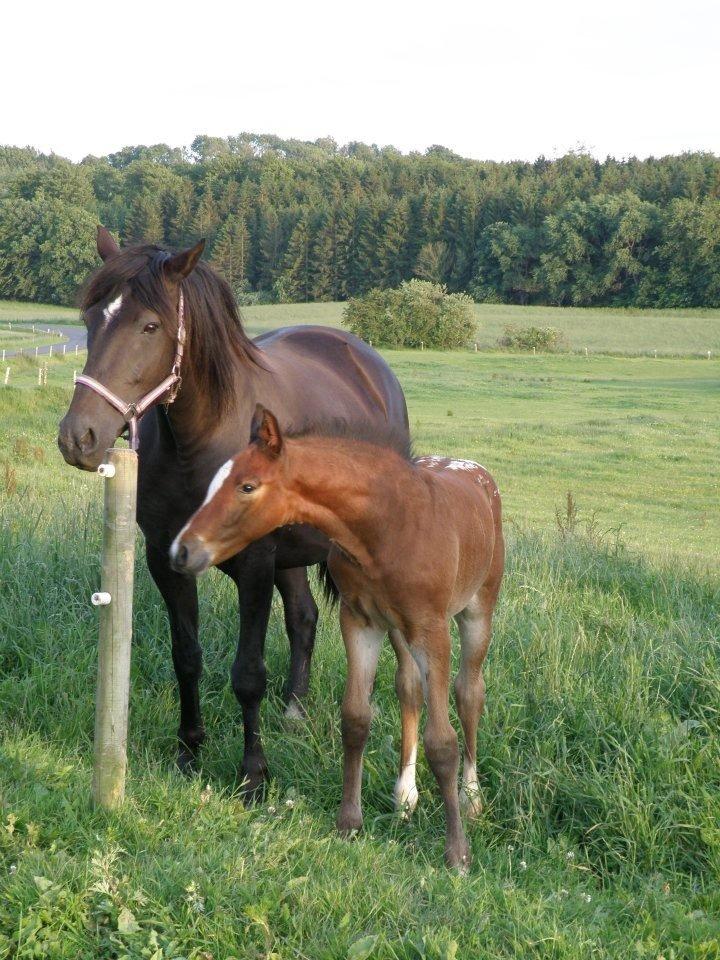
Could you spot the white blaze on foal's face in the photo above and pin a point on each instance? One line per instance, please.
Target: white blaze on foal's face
(218, 480)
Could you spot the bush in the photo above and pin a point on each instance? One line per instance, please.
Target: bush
(529, 338)
(418, 311)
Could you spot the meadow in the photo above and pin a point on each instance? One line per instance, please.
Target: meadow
(607, 330)
(599, 752)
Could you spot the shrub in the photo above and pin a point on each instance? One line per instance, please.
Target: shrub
(416, 312)
(527, 338)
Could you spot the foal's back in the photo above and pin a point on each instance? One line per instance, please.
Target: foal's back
(467, 517)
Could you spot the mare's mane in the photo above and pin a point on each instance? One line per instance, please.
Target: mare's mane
(216, 339)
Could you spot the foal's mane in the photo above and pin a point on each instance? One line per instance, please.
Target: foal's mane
(216, 339)
(387, 436)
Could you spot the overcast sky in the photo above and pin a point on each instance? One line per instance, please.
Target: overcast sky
(507, 80)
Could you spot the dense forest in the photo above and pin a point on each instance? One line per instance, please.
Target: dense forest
(287, 220)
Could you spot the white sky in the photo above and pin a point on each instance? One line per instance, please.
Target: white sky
(507, 80)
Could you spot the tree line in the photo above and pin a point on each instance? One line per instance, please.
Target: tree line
(288, 220)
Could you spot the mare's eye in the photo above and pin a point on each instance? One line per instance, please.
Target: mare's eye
(248, 488)
(150, 327)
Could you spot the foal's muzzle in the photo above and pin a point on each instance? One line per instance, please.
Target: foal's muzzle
(189, 555)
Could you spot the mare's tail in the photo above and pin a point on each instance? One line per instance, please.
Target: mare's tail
(330, 591)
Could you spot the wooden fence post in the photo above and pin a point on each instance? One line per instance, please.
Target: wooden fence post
(115, 600)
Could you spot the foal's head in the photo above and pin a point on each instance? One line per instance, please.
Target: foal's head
(248, 498)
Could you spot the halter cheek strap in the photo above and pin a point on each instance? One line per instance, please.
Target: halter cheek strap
(132, 412)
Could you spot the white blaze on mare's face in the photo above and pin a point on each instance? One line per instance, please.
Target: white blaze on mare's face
(112, 309)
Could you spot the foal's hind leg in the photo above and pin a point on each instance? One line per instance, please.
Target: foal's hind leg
(410, 694)
(431, 650)
(474, 624)
(301, 615)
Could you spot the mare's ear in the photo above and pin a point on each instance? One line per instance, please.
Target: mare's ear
(265, 431)
(181, 264)
(107, 245)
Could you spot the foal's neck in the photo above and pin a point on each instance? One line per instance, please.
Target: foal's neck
(347, 489)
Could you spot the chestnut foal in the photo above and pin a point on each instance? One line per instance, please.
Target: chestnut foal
(414, 541)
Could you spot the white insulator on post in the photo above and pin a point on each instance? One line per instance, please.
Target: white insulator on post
(106, 470)
(100, 599)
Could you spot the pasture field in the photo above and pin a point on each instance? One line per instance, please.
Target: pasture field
(600, 330)
(599, 752)
(616, 331)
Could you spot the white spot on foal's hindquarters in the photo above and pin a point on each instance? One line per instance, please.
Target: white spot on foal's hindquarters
(112, 309)
(217, 481)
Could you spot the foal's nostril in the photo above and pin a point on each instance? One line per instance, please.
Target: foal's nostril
(180, 555)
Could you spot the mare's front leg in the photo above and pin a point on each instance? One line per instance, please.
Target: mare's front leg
(180, 595)
(253, 572)
(301, 616)
(362, 646)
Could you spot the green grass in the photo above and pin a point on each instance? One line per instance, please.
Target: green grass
(620, 332)
(598, 753)
(30, 312)
(602, 330)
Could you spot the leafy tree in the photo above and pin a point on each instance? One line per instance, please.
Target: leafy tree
(416, 313)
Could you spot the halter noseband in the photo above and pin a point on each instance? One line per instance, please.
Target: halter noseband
(132, 412)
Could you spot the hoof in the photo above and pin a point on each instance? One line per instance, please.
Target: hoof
(254, 780)
(471, 802)
(458, 856)
(295, 710)
(406, 802)
(349, 820)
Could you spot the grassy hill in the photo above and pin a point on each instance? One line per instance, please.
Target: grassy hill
(598, 753)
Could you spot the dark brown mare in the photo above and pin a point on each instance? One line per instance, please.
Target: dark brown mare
(414, 542)
(130, 307)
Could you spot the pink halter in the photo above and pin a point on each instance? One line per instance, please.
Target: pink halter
(132, 412)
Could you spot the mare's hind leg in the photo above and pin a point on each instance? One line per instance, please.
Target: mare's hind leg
(410, 694)
(474, 624)
(180, 595)
(301, 616)
(362, 646)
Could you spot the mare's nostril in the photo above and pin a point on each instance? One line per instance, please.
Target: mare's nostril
(87, 441)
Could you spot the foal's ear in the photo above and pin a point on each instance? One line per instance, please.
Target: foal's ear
(265, 430)
(181, 264)
(107, 245)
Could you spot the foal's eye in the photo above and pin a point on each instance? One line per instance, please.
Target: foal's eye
(150, 327)
(248, 488)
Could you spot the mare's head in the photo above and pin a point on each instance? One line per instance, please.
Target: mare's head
(130, 308)
(247, 499)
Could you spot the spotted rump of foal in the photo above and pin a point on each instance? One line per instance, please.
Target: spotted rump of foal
(415, 541)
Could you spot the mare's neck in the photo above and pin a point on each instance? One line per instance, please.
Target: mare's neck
(348, 490)
(197, 425)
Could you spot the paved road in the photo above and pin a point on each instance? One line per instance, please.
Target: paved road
(72, 337)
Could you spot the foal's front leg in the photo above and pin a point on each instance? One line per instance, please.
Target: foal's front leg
(362, 647)
(409, 691)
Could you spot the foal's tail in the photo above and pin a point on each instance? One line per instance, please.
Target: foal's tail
(330, 591)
